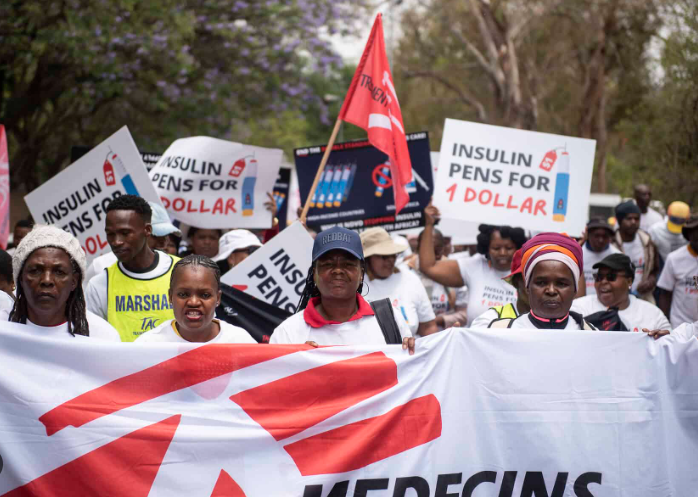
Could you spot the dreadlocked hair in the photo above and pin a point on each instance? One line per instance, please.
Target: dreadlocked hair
(311, 289)
(75, 306)
(197, 260)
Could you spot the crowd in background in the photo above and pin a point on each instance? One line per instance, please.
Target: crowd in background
(637, 271)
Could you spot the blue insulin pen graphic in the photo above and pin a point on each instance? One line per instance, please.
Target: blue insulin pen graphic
(334, 188)
(326, 183)
(562, 187)
(120, 169)
(382, 181)
(248, 188)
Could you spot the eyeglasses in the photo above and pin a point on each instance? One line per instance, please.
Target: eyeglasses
(610, 277)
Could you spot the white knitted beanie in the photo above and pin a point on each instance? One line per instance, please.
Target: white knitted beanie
(42, 236)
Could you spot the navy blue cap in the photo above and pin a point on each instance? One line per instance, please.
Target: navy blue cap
(337, 238)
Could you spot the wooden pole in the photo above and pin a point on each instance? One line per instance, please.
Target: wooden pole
(320, 170)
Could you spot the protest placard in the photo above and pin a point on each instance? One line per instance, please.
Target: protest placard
(216, 184)
(276, 272)
(356, 188)
(76, 198)
(505, 176)
(282, 190)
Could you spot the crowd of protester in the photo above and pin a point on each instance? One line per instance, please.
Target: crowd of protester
(368, 288)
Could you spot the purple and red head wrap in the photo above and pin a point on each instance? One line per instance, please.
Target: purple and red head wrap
(552, 247)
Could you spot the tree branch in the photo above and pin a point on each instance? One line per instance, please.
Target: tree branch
(467, 99)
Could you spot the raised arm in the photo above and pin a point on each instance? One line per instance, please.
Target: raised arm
(444, 271)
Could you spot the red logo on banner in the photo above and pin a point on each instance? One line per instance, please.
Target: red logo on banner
(284, 408)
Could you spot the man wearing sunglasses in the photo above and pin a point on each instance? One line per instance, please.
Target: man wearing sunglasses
(613, 308)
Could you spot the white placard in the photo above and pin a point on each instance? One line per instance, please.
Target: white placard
(217, 184)
(276, 272)
(505, 176)
(76, 198)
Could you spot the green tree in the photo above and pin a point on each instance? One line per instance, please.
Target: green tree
(74, 71)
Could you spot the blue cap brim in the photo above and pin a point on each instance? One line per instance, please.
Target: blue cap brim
(328, 249)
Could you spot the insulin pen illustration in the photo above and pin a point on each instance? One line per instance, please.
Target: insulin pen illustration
(334, 187)
(341, 190)
(326, 183)
(248, 188)
(562, 187)
(381, 180)
(113, 165)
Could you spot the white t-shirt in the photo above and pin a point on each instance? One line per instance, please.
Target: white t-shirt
(677, 277)
(439, 298)
(666, 241)
(686, 331)
(523, 322)
(99, 330)
(486, 288)
(96, 292)
(591, 258)
(639, 314)
(166, 333)
(98, 265)
(636, 252)
(6, 305)
(362, 331)
(407, 294)
(647, 220)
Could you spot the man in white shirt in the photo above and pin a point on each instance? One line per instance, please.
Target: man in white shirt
(596, 248)
(666, 234)
(637, 244)
(678, 293)
(648, 216)
(132, 293)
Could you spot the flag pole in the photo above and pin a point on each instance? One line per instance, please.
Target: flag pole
(318, 175)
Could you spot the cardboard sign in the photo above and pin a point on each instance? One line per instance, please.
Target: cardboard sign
(282, 190)
(276, 272)
(356, 188)
(506, 176)
(216, 184)
(76, 198)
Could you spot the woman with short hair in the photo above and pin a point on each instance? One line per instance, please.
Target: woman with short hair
(48, 268)
(195, 293)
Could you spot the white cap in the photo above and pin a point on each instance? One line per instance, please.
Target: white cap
(235, 240)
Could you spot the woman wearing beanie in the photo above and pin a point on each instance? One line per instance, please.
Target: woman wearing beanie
(48, 268)
(551, 265)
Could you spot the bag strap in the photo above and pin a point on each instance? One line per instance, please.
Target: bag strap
(383, 310)
(583, 324)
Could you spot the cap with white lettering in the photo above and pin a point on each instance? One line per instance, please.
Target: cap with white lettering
(337, 238)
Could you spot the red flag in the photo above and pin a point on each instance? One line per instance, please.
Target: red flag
(4, 189)
(371, 103)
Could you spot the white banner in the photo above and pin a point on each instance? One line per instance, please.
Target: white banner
(507, 176)
(217, 184)
(276, 272)
(472, 413)
(76, 198)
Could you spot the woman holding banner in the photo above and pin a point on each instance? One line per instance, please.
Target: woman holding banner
(551, 265)
(482, 274)
(195, 293)
(331, 310)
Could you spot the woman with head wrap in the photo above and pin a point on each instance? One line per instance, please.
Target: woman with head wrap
(48, 267)
(551, 265)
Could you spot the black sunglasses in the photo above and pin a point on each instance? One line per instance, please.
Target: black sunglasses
(598, 278)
